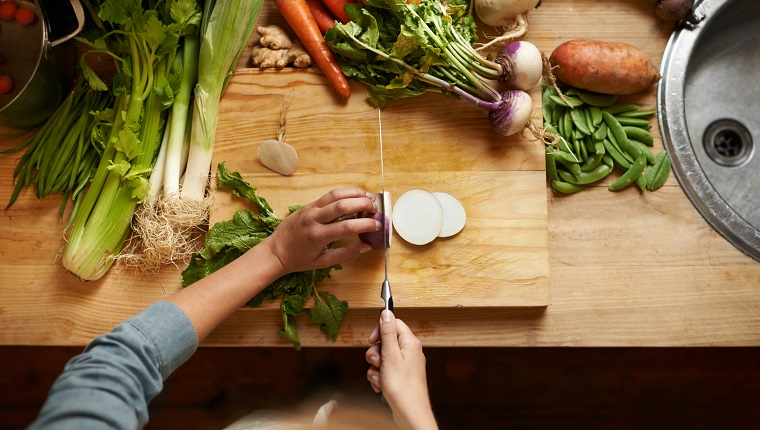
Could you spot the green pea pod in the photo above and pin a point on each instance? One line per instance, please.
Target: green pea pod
(599, 148)
(551, 166)
(566, 188)
(589, 122)
(641, 182)
(581, 145)
(596, 115)
(557, 112)
(551, 129)
(568, 124)
(616, 155)
(600, 132)
(620, 108)
(596, 99)
(564, 146)
(588, 143)
(573, 168)
(638, 113)
(567, 156)
(547, 105)
(660, 171)
(595, 175)
(643, 149)
(633, 122)
(631, 175)
(611, 138)
(639, 134)
(593, 162)
(606, 159)
(571, 101)
(616, 130)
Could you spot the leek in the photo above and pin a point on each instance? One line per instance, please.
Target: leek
(143, 43)
(224, 33)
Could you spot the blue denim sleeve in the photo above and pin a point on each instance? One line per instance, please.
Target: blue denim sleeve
(110, 384)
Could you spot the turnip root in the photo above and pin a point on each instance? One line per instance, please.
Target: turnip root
(499, 13)
(523, 65)
(603, 67)
(513, 112)
(454, 216)
(375, 238)
(676, 10)
(417, 217)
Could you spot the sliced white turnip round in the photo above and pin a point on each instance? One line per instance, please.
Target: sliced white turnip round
(454, 216)
(417, 217)
(375, 238)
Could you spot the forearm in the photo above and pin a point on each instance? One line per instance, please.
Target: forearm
(211, 300)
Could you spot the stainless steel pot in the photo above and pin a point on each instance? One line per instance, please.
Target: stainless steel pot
(38, 61)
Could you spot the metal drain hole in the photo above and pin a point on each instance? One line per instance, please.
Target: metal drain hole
(728, 142)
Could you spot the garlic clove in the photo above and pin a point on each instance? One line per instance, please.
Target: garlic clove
(278, 156)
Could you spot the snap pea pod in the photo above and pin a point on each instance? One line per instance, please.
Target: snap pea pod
(579, 120)
(600, 133)
(641, 182)
(639, 148)
(566, 187)
(620, 108)
(616, 155)
(634, 122)
(596, 99)
(551, 166)
(623, 153)
(557, 112)
(660, 171)
(589, 122)
(639, 134)
(571, 101)
(596, 115)
(592, 163)
(573, 168)
(631, 175)
(595, 175)
(616, 130)
(638, 113)
(608, 161)
(567, 121)
(546, 104)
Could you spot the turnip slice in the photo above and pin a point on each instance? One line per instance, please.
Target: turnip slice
(375, 238)
(454, 216)
(418, 217)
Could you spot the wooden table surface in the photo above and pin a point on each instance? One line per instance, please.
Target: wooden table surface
(626, 268)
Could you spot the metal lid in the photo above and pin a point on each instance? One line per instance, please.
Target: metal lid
(21, 50)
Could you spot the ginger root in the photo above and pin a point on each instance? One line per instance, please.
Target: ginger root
(277, 50)
(274, 37)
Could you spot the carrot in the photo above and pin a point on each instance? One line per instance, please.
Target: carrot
(298, 16)
(325, 21)
(336, 9)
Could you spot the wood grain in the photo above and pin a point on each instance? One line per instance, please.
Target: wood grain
(627, 268)
(499, 259)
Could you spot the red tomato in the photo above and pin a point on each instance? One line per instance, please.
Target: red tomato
(6, 84)
(8, 10)
(24, 16)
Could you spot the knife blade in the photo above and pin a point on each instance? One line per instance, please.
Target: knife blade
(385, 291)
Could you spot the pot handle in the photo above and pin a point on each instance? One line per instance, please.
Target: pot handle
(79, 12)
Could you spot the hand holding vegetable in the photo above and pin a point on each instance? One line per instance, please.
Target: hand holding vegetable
(300, 241)
(398, 370)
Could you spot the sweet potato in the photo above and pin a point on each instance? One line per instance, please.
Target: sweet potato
(603, 67)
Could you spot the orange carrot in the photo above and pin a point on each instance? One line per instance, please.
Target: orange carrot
(325, 21)
(298, 16)
(336, 9)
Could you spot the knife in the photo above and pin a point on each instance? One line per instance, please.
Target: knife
(385, 204)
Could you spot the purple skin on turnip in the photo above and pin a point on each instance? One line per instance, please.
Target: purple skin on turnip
(375, 238)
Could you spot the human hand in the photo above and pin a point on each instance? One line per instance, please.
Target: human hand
(300, 241)
(398, 370)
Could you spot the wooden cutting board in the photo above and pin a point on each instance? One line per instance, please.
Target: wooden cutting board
(434, 143)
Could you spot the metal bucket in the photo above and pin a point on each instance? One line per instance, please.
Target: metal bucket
(38, 62)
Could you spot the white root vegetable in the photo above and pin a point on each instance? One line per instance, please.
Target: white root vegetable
(417, 217)
(499, 13)
(454, 216)
(525, 65)
(375, 238)
(278, 156)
